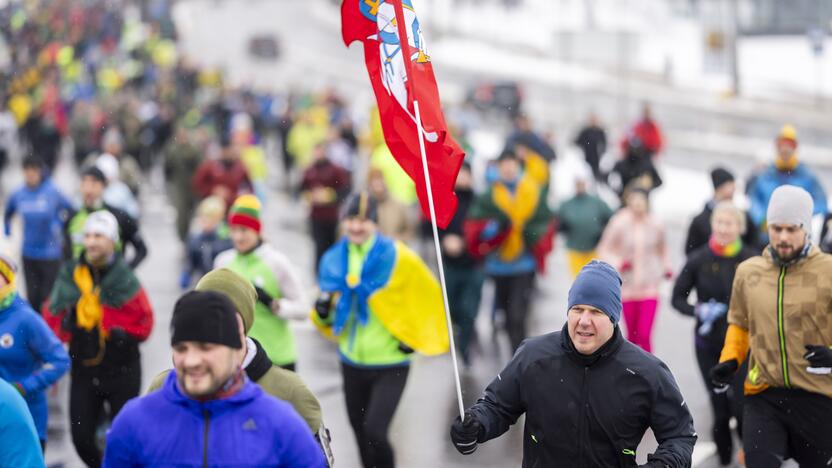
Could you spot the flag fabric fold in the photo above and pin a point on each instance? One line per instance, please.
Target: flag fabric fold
(401, 73)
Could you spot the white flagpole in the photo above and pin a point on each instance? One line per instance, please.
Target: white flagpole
(439, 258)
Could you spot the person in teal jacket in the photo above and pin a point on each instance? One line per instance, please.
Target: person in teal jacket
(582, 219)
(31, 356)
(388, 306)
(18, 439)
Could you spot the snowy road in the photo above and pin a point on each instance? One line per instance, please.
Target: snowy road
(701, 134)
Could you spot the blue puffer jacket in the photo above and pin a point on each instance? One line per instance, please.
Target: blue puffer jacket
(31, 357)
(764, 185)
(248, 429)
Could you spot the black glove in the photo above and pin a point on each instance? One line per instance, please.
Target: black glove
(818, 356)
(405, 348)
(263, 297)
(466, 434)
(323, 305)
(722, 374)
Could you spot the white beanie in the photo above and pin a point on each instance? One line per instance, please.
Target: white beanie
(790, 205)
(108, 165)
(102, 222)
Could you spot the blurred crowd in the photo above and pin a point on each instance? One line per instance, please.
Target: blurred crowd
(103, 86)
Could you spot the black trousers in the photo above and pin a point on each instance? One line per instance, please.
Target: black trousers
(372, 396)
(782, 423)
(324, 235)
(464, 285)
(87, 397)
(724, 405)
(40, 276)
(513, 296)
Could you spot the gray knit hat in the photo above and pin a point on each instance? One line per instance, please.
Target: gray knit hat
(790, 205)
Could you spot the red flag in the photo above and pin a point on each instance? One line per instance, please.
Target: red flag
(399, 76)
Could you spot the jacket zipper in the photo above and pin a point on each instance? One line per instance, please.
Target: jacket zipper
(582, 421)
(207, 416)
(784, 358)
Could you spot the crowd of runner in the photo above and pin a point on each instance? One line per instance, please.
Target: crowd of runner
(102, 87)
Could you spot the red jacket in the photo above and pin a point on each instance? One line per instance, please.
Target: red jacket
(650, 135)
(331, 176)
(213, 173)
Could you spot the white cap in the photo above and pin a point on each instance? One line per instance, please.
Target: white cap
(102, 222)
(790, 205)
(108, 165)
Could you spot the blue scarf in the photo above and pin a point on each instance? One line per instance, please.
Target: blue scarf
(375, 273)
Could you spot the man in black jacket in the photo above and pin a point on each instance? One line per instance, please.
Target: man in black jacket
(588, 394)
(699, 231)
(93, 183)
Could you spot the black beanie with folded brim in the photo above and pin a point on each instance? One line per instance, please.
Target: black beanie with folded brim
(205, 317)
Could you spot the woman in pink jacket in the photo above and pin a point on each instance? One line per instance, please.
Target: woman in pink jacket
(634, 242)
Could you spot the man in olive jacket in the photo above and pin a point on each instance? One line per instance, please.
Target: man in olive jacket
(281, 383)
(588, 394)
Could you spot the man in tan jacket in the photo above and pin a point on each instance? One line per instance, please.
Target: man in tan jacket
(781, 308)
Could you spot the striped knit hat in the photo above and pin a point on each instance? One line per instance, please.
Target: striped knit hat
(245, 212)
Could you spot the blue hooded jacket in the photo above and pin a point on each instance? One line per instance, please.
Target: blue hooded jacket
(31, 356)
(248, 429)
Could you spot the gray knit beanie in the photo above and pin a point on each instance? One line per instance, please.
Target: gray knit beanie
(790, 205)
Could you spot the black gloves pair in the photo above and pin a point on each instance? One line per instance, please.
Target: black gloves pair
(819, 357)
(466, 434)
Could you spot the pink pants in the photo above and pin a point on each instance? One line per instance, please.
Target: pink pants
(638, 318)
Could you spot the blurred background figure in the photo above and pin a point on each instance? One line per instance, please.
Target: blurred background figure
(647, 131)
(44, 210)
(395, 219)
(325, 185)
(699, 232)
(581, 219)
(592, 139)
(786, 169)
(463, 272)
(223, 175)
(634, 242)
(210, 238)
(635, 170)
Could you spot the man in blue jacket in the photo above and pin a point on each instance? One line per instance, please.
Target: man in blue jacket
(786, 169)
(31, 356)
(588, 394)
(44, 210)
(208, 412)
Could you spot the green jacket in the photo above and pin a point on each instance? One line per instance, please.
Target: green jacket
(277, 382)
(271, 271)
(582, 219)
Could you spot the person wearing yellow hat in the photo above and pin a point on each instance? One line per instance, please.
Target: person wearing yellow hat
(786, 169)
(280, 293)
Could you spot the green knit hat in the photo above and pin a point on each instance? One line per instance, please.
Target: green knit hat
(235, 287)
